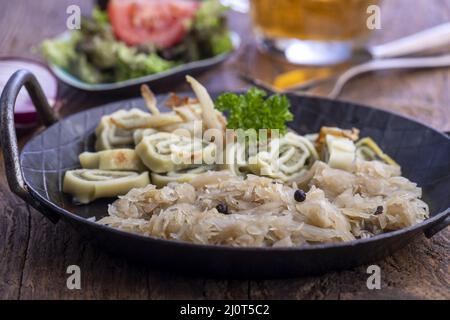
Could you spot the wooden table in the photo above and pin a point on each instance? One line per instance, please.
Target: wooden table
(34, 253)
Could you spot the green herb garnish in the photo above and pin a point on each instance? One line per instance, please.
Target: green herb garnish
(254, 110)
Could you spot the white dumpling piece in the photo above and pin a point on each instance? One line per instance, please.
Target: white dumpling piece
(340, 152)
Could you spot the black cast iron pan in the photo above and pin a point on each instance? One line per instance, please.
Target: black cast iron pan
(36, 176)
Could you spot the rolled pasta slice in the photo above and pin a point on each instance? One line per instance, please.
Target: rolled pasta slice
(163, 152)
(116, 159)
(137, 119)
(109, 136)
(141, 133)
(117, 130)
(90, 160)
(367, 149)
(287, 158)
(87, 185)
(161, 180)
(131, 119)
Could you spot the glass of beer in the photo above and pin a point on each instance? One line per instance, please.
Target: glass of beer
(312, 32)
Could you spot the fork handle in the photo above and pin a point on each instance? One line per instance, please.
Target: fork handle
(386, 64)
(429, 39)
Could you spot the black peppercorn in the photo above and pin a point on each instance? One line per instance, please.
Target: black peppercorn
(299, 195)
(379, 210)
(222, 208)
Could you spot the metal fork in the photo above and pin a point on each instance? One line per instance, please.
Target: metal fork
(344, 78)
(386, 64)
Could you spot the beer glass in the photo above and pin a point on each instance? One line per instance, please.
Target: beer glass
(312, 32)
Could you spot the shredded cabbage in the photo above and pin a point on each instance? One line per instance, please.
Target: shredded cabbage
(339, 206)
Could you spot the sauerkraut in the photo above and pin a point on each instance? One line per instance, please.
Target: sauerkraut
(262, 212)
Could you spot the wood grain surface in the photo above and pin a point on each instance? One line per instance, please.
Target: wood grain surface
(34, 253)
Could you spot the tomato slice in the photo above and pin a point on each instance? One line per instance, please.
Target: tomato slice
(161, 22)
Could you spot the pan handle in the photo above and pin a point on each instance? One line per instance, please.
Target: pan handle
(8, 136)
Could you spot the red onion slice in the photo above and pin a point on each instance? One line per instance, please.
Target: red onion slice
(25, 113)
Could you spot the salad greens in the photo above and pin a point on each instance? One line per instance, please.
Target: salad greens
(210, 28)
(94, 55)
(254, 110)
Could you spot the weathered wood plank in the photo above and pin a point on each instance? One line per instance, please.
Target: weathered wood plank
(420, 271)
(54, 247)
(14, 236)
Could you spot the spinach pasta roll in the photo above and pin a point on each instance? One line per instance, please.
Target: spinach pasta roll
(117, 130)
(163, 152)
(139, 134)
(287, 158)
(137, 119)
(131, 119)
(110, 136)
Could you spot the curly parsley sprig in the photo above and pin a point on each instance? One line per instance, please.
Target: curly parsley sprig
(254, 110)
